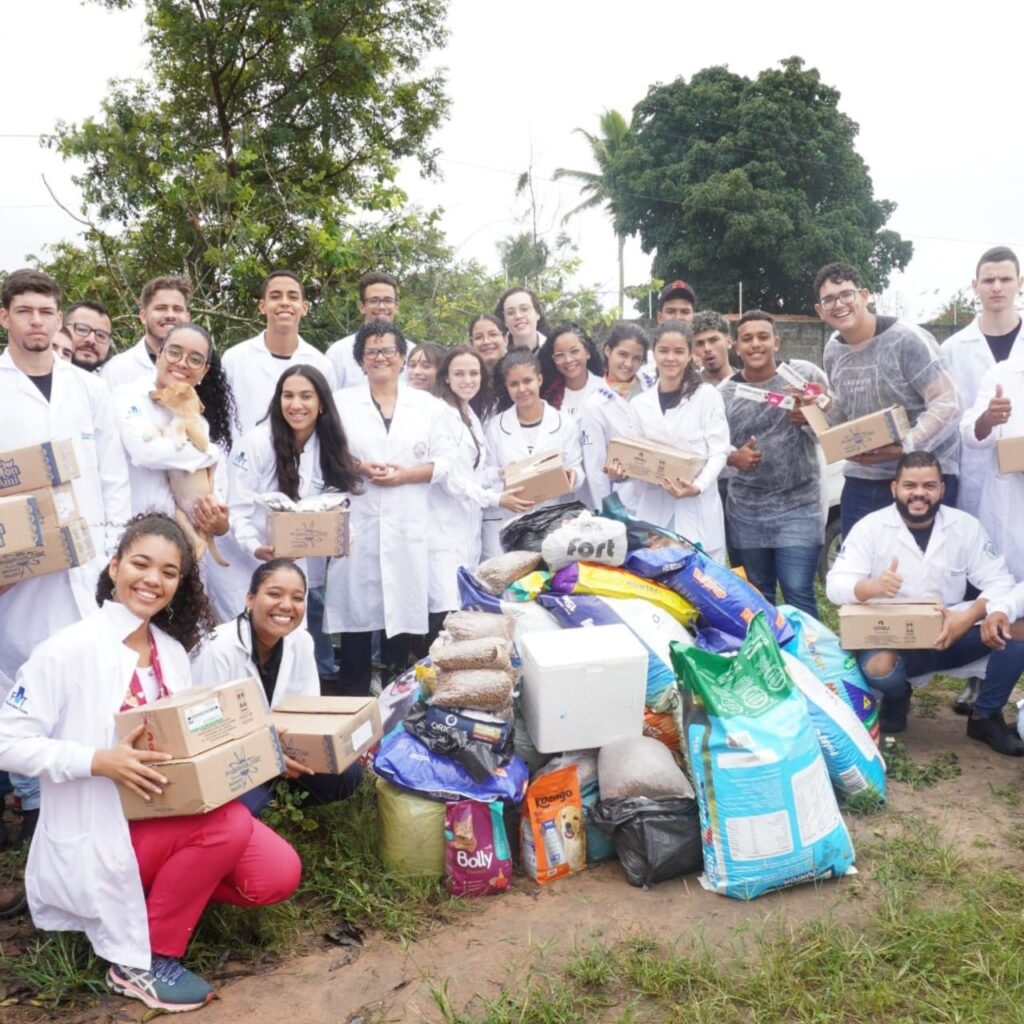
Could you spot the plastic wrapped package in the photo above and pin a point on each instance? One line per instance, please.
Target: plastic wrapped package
(397, 698)
(769, 816)
(411, 832)
(724, 600)
(449, 655)
(488, 689)
(496, 574)
(640, 766)
(468, 625)
(528, 587)
(478, 740)
(587, 538)
(527, 532)
(477, 857)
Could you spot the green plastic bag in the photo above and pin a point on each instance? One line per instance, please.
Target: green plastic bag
(411, 832)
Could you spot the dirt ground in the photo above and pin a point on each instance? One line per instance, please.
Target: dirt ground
(501, 939)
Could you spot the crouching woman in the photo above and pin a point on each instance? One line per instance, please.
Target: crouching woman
(137, 889)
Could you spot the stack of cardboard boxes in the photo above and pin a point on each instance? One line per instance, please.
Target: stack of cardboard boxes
(41, 531)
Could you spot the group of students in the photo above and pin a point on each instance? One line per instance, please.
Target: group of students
(418, 439)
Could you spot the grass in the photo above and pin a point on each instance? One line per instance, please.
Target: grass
(345, 887)
(901, 767)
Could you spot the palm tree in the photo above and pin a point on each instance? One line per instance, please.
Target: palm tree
(605, 147)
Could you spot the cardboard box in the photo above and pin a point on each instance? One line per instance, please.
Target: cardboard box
(327, 733)
(541, 476)
(309, 534)
(1010, 454)
(652, 461)
(21, 525)
(57, 505)
(197, 785)
(889, 625)
(198, 719)
(39, 465)
(64, 547)
(855, 437)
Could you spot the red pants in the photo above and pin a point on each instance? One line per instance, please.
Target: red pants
(225, 856)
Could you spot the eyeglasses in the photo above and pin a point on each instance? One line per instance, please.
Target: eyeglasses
(389, 352)
(523, 310)
(84, 330)
(845, 297)
(376, 300)
(494, 335)
(175, 354)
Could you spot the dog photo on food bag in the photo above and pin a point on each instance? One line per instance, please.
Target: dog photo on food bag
(570, 824)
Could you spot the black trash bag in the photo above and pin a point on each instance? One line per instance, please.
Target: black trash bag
(654, 839)
(527, 532)
(479, 741)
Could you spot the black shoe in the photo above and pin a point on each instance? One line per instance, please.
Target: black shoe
(29, 820)
(892, 716)
(994, 731)
(964, 703)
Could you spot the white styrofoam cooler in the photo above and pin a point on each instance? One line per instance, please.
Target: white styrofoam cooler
(582, 687)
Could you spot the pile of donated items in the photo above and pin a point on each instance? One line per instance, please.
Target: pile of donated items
(609, 691)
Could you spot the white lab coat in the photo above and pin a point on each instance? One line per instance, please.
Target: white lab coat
(697, 424)
(959, 552)
(457, 505)
(604, 415)
(384, 583)
(254, 372)
(347, 372)
(82, 874)
(227, 655)
(969, 358)
(79, 409)
(128, 366)
(508, 442)
(1000, 497)
(253, 471)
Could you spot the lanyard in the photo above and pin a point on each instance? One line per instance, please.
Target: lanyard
(136, 695)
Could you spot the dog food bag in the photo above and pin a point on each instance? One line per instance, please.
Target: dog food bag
(768, 814)
(489, 689)
(725, 601)
(397, 698)
(662, 726)
(650, 624)
(587, 538)
(527, 587)
(851, 756)
(609, 581)
(553, 841)
(640, 766)
(477, 859)
(599, 846)
(496, 574)
(478, 626)
(411, 832)
(818, 648)
(480, 741)
(458, 654)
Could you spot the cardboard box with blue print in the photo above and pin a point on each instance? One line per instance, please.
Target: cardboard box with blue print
(327, 734)
(21, 524)
(38, 465)
(200, 784)
(63, 547)
(193, 721)
(856, 437)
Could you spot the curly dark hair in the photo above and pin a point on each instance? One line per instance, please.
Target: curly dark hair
(336, 461)
(188, 617)
(553, 388)
(214, 390)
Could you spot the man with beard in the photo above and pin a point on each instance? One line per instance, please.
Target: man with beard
(712, 344)
(919, 548)
(163, 303)
(88, 324)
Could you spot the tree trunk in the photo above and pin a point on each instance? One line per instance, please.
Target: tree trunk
(621, 238)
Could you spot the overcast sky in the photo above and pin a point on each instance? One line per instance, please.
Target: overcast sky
(936, 100)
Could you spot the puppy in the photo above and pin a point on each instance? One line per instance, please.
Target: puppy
(570, 825)
(187, 425)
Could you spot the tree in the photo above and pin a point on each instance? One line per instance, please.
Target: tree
(605, 149)
(958, 310)
(523, 257)
(731, 180)
(269, 136)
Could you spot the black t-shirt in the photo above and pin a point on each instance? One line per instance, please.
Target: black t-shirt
(1000, 344)
(44, 382)
(268, 672)
(922, 534)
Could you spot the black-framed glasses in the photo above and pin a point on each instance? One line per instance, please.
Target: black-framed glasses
(83, 331)
(845, 297)
(388, 352)
(175, 354)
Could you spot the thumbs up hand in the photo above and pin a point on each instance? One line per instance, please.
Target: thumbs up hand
(999, 408)
(746, 458)
(889, 583)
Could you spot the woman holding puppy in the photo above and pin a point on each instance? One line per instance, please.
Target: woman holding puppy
(266, 641)
(137, 889)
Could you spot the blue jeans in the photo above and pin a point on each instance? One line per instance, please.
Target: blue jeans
(862, 497)
(323, 646)
(1001, 675)
(26, 789)
(792, 568)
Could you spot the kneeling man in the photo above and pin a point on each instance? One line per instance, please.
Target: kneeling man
(919, 548)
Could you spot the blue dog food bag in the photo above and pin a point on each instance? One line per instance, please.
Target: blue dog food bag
(768, 814)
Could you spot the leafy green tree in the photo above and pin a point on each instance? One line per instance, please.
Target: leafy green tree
(729, 180)
(268, 134)
(605, 148)
(523, 257)
(958, 310)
